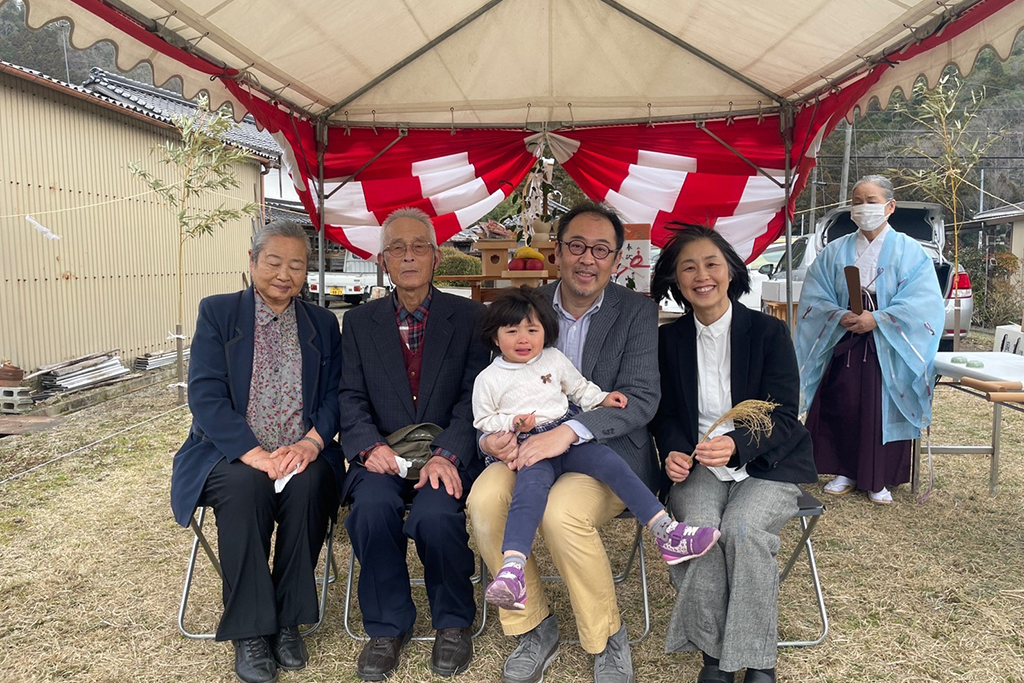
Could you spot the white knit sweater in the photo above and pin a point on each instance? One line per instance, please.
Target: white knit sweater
(544, 385)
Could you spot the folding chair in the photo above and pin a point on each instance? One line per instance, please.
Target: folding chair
(329, 575)
(636, 551)
(810, 511)
(478, 579)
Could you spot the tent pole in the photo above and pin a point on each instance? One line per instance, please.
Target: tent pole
(786, 122)
(321, 146)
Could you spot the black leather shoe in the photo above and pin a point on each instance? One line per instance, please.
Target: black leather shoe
(759, 676)
(289, 649)
(253, 663)
(710, 673)
(453, 651)
(379, 657)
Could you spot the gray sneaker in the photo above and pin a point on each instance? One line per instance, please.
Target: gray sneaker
(615, 664)
(531, 657)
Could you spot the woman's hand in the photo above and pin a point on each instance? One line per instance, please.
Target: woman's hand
(263, 461)
(858, 324)
(545, 445)
(500, 445)
(677, 466)
(295, 457)
(716, 452)
(615, 399)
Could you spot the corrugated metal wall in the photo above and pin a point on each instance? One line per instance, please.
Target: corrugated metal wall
(110, 281)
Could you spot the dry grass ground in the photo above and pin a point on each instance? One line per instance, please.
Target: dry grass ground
(91, 566)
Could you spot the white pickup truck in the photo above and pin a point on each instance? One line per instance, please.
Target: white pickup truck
(352, 285)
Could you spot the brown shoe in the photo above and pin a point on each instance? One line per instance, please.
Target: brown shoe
(379, 657)
(453, 651)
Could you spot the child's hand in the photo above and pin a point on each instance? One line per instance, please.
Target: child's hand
(524, 423)
(615, 399)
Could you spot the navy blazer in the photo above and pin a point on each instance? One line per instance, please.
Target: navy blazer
(375, 395)
(763, 367)
(219, 374)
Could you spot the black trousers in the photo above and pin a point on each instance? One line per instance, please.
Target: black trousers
(436, 524)
(258, 601)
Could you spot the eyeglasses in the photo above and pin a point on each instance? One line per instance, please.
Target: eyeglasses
(399, 249)
(579, 248)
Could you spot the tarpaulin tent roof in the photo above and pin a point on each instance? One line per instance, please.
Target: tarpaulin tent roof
(758, 82)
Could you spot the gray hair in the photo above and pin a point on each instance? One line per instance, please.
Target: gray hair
(879, 180)
(407, 212)
(280, 228)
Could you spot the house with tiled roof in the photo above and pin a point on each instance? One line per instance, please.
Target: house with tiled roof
(88, 256)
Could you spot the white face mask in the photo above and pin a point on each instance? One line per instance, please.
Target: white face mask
(868, 217)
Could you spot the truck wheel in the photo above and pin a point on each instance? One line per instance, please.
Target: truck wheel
(945, 345)
(354, 300)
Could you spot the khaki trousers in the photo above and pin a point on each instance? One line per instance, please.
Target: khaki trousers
(577, 506)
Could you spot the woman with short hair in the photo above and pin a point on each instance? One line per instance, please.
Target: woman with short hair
(715, 356)
(264, 376)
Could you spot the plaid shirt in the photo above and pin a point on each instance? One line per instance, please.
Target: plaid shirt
(412, 327)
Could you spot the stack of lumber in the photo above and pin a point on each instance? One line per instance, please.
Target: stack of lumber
(152, 361)
(76, 374)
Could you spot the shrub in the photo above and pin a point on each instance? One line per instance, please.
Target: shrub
(454, 262)
(998, 297)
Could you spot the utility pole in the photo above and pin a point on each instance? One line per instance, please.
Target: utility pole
(844, 183)
(814, 196)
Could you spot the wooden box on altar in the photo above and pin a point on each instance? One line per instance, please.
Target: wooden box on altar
(494, 256)
(546, 247)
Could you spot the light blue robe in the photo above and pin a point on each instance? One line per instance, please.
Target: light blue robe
(910, 318)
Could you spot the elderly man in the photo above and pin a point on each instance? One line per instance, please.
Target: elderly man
(611, 335)
(411, 359)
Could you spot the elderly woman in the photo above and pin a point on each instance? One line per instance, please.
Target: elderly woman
(868, 376)
(715, 356)
(263, 389)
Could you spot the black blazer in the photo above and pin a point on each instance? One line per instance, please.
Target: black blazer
(219, 375)
(375, 397)
(763, 367)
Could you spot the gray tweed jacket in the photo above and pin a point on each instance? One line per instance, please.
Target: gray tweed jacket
(621, 354)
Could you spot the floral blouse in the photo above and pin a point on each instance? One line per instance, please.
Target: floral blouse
(274, 413)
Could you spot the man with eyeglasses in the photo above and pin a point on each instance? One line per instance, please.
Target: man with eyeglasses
(611, 335)
(410, 360)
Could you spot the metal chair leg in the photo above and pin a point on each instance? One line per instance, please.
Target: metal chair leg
(327, 579)
(329, 575)
(636, 553)
(805, 543)
(198, 539)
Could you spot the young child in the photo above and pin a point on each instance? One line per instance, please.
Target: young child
(527, 390)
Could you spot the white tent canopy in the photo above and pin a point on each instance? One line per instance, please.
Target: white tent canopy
(743, 91)
(540, 62)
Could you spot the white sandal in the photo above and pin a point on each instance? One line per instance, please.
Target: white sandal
(840, 486)
(883, 497)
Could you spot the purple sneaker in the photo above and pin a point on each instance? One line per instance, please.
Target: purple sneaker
(508, 590)
(686, 542)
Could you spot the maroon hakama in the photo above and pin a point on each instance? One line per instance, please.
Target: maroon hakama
(845, 419)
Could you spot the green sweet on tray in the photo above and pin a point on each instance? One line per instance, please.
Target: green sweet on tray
(975, 364)
(958, 359)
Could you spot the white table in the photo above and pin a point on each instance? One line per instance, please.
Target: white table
(997, 367)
